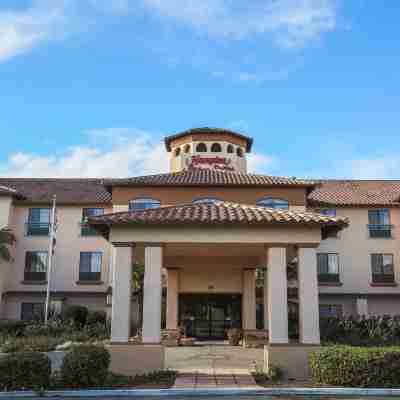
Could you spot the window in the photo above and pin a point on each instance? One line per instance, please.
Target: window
(187, 148)
(35, 266)
(177, 151)
(38, 222)
(87, 230)
(90, 266)
(143, 204)
(201, 148)
(382, 268)
(379, 223)
(206, 200)
(330, 212)
(230, 149)
(330, 310)
(273, 203)
(328, 267)
(32, 311)
(216, 148)
(239, 152)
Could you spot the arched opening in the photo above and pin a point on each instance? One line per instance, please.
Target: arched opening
(187, 148)
(239, 152)
(201, 148)
(177, 151)
(230, 149)
(206, 200)
(273, 203)
(216, 148)
(143, 203)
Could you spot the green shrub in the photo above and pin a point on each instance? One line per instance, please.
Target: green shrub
(356, 366)
(96, 317)
(27, 344)
(76, 314)
(12, 328)
(55, 327)
(373, 331)
(24, 371)
(85, 366)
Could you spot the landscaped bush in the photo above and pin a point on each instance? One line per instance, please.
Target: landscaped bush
(76, 314)
(356, 366)
(34, 343)
(12, 328)
(24, 371)
(373, 331)
(96, 317)
(85, 366)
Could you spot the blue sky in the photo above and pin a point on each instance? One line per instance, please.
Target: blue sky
(90, 87)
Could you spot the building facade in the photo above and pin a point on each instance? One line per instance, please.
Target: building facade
(235, 249)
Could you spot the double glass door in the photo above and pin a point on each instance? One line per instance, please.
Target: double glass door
(209, 316)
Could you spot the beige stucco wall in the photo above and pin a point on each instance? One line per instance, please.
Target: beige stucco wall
(70, 243)
(5, 211)
(283, 234)
(210, 279)
(355, 247)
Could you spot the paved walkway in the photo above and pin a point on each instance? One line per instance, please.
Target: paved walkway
(212, 366)
(212, 381)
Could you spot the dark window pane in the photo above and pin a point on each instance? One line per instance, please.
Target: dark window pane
(35, 266)
(90, 266)
(32, 311)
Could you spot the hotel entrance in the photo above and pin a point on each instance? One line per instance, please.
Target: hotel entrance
(209, 316)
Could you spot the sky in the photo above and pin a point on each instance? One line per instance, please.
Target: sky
(89, 88)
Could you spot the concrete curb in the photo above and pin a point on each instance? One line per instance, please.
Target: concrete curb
(341, 392)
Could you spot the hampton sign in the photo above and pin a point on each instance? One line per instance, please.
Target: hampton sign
(221, 163)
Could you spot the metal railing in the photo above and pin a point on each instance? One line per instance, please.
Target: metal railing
(37, 228)
(383, 278)
(380, 231)
(328, 278)
(87, 230)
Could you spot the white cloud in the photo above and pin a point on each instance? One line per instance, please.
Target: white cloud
(22, 30)
(115, 152)
(259, 163)
(375, 168)
(111, 152)
(292, 22)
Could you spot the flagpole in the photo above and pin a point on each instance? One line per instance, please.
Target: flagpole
(50, 259)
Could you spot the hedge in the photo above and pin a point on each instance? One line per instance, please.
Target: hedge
(28, 370)
(12, 328)
(85, 366)
(75, 313)
(356, 366)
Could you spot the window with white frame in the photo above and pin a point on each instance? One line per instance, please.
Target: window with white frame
(90, 266)
(382, 268)
(35, 266)
(328, 267)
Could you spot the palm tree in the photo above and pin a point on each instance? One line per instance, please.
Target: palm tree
(7, 239)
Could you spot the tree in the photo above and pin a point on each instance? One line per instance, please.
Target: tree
(7, 239)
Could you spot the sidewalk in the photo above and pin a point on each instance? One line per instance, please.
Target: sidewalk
(214, 381)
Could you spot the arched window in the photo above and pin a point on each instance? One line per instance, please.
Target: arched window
(239, 152)
(201, 148)
(206, 200)
(216, 148)
(143, 203)
(177, 151)
(230, 149)
(187, 148)
(273, 203)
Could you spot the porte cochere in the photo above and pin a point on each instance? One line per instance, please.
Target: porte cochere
(210, 226)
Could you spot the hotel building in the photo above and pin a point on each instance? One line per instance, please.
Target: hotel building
(221, 247)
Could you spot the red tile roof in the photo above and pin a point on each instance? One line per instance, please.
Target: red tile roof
(208, 177)
(75, 191)
(356, 193)
(218, 213)
(207, 130)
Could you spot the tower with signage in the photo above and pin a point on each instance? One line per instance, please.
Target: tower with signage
(213, 148)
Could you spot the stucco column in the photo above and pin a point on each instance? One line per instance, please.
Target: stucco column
(151, 332)
(172, 298)
(308, 296)
(249, 299)
(266, 313)
(277, 295)
(362, 307)
(122, 290)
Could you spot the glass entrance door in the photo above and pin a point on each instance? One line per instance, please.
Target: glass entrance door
(208, 316)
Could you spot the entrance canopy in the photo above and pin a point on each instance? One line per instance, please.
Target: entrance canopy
(218, 214)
